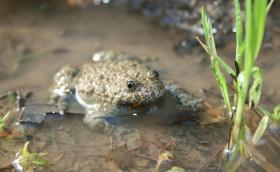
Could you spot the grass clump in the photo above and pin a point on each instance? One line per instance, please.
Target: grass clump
(247, 78)
(31, 160)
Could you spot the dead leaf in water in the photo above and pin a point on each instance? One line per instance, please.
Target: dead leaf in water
(5, 133)
(121, 158)
(134, 141)
(165, 160)
(212, 115)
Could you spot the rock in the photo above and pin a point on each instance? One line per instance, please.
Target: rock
(37, 113)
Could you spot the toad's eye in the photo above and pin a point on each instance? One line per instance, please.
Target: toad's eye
(131, 85)
(156, 74)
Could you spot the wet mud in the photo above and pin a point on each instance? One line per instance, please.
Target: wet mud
(39, 37)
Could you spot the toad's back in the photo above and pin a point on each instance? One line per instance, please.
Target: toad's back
(117, 82)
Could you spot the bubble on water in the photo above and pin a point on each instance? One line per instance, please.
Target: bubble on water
(227, 153)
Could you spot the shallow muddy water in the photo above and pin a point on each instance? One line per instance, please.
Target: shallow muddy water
(37, 39)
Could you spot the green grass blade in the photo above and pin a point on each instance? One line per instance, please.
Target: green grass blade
(259, 19)
(276, 114)
(2, 124)
(222, 83)
(260, 130)
(239, 33)
(268, 7)
(256, 88)
(249, 33)
(216, 62)
(225, 66)
(241, 83)
(207, 28)
(247, 50)
(3, 118)
(210, 42)
(234, 157)
(264, 111)
(211, 39)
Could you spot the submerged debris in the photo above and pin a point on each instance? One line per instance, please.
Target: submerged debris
(186, 102)
(187, 107)
(165, 161)
(130, 138)
(14, 100)
(37, 113)
(132, 150)
(212, 115)
(121, 158)
(18, 119)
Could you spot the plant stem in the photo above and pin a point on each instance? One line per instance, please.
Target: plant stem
(244, 78)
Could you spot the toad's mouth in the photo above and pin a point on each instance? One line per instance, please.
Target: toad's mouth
(141, 105)
(135, 105)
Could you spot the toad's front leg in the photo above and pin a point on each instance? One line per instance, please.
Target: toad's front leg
(187, 106)
(102, 119)
(63, 87)
(96, 119)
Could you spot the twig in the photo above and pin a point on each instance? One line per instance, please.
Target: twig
(143, 156)
(19, 100)
(210, 159)
(111, 139)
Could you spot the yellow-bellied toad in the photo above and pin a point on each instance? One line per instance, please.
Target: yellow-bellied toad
(113, 85)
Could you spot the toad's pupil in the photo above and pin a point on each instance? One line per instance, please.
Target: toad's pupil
(130, 84)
